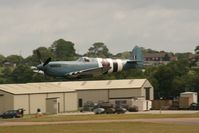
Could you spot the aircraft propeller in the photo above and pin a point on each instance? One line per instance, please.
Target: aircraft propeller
(47, 61)
(41, 67)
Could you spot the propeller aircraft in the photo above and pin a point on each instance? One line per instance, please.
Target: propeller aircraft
(88, 67)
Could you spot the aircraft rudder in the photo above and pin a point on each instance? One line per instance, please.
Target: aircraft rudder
(137, 55)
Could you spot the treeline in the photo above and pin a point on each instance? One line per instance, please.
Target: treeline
(168, 80)
(16, 69)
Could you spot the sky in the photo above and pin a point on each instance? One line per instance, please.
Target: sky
(169, 25)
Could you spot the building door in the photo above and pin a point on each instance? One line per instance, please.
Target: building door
(80, 102)
(147, 93)
(58, 107)
(2, 109)
(52, 106)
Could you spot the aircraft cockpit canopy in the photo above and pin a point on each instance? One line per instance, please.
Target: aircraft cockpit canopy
(84, 59)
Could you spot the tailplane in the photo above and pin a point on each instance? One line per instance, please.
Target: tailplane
(137, 55)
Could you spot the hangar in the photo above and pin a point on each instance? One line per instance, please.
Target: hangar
(58, 97)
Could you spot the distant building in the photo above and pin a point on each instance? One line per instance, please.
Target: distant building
(9, 64)
(158, 58)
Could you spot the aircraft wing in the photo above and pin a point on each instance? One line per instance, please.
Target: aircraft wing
(88, 72)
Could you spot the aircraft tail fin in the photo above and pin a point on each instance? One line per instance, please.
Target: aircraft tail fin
(137, 55)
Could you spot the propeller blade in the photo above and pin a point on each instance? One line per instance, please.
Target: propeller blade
(33, 67)
(47, 61)
(38, 71)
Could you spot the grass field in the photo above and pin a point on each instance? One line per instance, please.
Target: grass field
(117, 127)
(124, 127)
(100, 117)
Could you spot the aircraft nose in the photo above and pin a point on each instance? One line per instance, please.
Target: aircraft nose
(40, 67)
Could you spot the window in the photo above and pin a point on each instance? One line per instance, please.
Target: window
(84, 59)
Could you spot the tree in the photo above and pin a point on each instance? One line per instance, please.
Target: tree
(179, 85)
(6, 75)
(150, 75)
(22, 74)
(182, 55)
(123, 55)
(14, 59)
(63, 50)
(197, 49)
(169, 80)
(41, 54)
(192, 80)
(2, 58)
(98, 49)
(165, 76)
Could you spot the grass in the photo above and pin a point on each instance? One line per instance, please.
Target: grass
(51, 118)
(124, 127)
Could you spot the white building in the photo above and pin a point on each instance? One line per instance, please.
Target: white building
(55, 97)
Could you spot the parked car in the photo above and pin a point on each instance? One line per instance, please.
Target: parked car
(194, 106)
(133, 108)
(99, 111)
(120, 110)
(110, 110)
(88, 106)
(12, 114)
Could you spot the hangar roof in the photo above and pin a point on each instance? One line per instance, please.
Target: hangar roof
(53, 87)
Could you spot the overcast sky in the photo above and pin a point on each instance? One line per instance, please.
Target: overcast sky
(170, 25)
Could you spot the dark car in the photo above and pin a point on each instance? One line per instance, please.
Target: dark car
(120, 110)
(133, 109)
(11, 114)
(88, 106)
(194, 106)
(110, 111)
